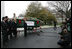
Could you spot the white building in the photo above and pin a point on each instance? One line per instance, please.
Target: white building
(58, 17)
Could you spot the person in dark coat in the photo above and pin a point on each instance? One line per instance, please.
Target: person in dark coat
(65, 39)
(8, 25)
(55, 25)
(4, 31)
(68, 24)
(11, 28)
(15, 28)
(25, 29)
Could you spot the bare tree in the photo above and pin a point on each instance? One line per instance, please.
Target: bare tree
(62, 7)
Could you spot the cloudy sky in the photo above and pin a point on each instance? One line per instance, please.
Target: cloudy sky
(18, 7)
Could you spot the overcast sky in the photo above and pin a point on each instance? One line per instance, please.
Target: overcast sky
(18, 7)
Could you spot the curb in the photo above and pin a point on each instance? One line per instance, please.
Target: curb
(48, 26)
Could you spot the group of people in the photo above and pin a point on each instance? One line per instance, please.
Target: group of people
(9, 28)
(65, 35)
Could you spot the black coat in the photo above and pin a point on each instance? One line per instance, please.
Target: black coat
(25, 25)
(54, 23)
(11, 25)
(14, 25)
(4, 28)
(8, 24)
(67, 37)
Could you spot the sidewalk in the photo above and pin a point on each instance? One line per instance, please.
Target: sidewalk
(47, 26)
